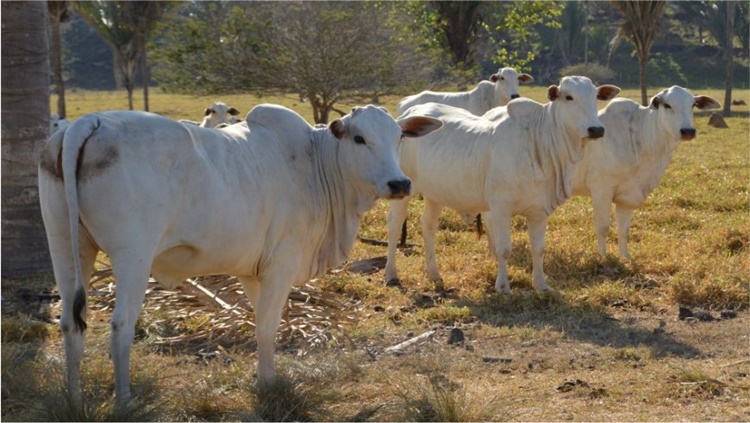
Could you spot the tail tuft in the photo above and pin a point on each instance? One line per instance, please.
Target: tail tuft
(79, 308)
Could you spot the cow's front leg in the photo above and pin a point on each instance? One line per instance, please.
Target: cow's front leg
(537, 228)
(269, 296)
(430, 219)
(623, 214)
(601, 202)
(500, 221)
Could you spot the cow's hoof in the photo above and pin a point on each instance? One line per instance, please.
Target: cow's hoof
(393, 282)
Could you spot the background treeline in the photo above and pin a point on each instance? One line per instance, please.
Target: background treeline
(324, 49)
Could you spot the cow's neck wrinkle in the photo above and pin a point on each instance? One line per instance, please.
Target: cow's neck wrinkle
(336, 202)
(555, 153)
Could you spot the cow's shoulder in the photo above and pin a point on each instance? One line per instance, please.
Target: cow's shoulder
(285, 123)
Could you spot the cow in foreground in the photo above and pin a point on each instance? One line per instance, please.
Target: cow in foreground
(215, 115)
(629, 162)
(498, 91)
(522, 164)
(270, 200)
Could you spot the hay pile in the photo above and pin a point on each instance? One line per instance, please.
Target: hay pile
(214, 310)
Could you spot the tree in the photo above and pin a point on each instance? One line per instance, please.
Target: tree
(25, 126)
(640, 26)
(457, 24)
(731, 7)
(143, 18)
(323, 51)
(109, 19)
(58, 13)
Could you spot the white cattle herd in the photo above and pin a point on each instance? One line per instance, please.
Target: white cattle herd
(276, 202)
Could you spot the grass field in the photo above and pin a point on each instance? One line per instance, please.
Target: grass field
(607, 345)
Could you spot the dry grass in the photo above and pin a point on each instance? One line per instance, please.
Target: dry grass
(607, 345)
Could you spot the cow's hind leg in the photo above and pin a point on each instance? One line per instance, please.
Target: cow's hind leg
(131, 270)
(430, 219)
(73, 336)
(396, 220)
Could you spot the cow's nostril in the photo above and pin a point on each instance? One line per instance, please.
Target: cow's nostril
(596, 131)
(687, 133)
(400, 187)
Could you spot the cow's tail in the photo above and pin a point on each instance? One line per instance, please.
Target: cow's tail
(73, 141)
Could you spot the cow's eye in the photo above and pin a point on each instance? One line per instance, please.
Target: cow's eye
(359, 140)
(667, 106)
(502, 78)
(567, 97)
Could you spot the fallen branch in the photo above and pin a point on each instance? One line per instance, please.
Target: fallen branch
(396, 349)
(213, 296)
(377, 242)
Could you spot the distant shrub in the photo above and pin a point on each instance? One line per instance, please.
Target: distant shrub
(594, 71)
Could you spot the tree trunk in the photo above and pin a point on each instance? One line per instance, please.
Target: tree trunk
(729, 51)
(145, 78)
(25, 126)
(642, 74)
(56, 65)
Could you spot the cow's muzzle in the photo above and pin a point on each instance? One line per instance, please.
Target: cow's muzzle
(595, 132)
(514, 96)
(400, 188)
(687, 134)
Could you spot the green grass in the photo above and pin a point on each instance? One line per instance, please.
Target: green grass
(612, 323)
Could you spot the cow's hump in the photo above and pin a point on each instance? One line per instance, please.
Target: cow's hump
(286, 123)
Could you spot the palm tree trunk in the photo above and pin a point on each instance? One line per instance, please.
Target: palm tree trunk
(643, 81)
(25, 115)
(56, 64)
(729, 51)
(145, 78)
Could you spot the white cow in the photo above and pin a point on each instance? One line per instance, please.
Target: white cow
(485, 96)
(522, 164)
(218, 113)
(629, 162)
(57, 122)
(270, 200)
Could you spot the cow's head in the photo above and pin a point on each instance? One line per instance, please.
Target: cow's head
(574, 103)
(218, 113)
(674, 111)
(369, 139)
(506, 83)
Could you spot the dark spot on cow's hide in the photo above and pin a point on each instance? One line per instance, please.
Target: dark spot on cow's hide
(86, 167)
(92, 167)
(49, 164)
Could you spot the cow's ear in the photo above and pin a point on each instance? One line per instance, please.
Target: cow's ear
(525, 78)
(337, 128)
(232, 111)
(656, 101)
(494, 77)
(207, 112)
(704, 102)
(553, 92)
(419, 126)
(607, 92)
